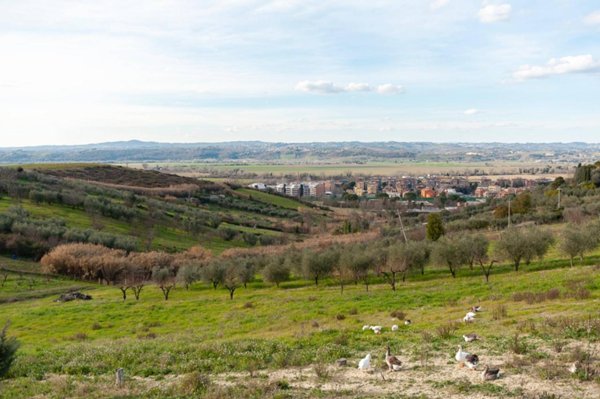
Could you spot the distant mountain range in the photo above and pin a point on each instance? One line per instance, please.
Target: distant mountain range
(143, 151)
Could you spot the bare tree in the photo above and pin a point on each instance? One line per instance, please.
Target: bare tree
(164, 279)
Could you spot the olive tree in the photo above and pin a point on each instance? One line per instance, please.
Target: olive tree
(578, 240)
(451, 252)
(277, 270)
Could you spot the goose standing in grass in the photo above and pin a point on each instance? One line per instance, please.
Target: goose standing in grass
(471, 361)
(461, 355)
(366, 327)
(376, 329)
(393, 363)
(470, 337)
(395, 327)
(476, 308)
(490, 374)
(407, 322)
(469, 317)
(365, 362)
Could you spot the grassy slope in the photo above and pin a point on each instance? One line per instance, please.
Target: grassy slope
(276, 200)
(203, 316)
(166, 238)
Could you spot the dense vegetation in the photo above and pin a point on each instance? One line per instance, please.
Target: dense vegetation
(145, 210)
(188, 322)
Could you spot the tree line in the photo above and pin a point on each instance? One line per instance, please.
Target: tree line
(389, 260)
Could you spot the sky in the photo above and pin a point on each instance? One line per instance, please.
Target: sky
(75, 72)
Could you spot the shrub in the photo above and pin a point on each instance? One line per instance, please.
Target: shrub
(322, 371)
(400, 315)
(499, 312)
(8, 350)
(194, 383)
(446, 331)
(517, 345)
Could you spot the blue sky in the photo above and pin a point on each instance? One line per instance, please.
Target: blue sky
(299, 70)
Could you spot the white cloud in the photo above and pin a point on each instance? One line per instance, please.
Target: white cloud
(358, 87)
(490, 13)
(318, 86)
(471, 111)
(592, 18)
(437, 4)
(389, 88)
(560, 66)
(327, 87)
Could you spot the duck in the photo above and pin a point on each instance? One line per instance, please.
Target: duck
(407, 322)
(366, 327)
(468, 319)
(461, 355)
(393, 363)
(471, 361)
(470, 337)
(395, 327)
(490, 374)
(365, 362)
(476, 308)
(471, 315)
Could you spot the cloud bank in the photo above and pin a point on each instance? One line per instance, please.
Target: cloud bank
(570, 64)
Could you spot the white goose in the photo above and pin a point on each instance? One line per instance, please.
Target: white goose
(366, 327)
(365, 362)
(395, 327)
(461, 355)
(376, 329)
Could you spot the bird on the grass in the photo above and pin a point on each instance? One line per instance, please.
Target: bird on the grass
(376, 329)
(470, 337)
(490, 374)
(461, 355)
(366, 327)
(471, 361)
(393, 363)
(407, 322)
(395, 327)
(365, 362)
(476, 308)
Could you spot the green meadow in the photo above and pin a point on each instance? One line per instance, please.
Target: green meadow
(74, 347)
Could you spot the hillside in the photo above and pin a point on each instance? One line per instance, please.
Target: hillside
(283, 342)
(43, 205)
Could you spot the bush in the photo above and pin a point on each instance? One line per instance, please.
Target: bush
(194, 383)
(446, 331)
(8, 350)
(400, 315)
(499, 312)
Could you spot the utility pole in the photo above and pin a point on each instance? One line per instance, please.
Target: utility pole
(402, 226)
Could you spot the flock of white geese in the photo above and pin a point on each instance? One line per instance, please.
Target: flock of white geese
(470, 360)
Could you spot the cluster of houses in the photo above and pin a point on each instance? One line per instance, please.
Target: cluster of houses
(430, 186)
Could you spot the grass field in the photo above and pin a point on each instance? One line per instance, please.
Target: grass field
(296, 333)
(276, 200)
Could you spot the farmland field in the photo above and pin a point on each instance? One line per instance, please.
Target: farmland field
(283, 342)
(333, 168)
